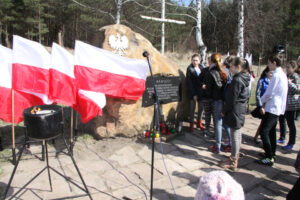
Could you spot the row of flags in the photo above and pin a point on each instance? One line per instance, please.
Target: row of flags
(82, 80)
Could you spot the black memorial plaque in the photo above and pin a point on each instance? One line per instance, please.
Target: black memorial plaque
(167, 90)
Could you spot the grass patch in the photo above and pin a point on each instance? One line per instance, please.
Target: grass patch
(85, 137)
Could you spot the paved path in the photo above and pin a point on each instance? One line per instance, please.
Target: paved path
(118, 168)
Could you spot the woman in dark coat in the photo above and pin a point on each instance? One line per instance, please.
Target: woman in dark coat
(193, 84)
(234, 109)
(219, 79)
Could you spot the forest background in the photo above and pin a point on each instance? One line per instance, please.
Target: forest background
(267, 23)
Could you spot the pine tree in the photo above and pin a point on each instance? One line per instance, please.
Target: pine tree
(36, 19)
(293, 27)
(5, 20)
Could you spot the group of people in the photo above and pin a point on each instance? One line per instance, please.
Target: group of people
(278, 89)
(222, 89)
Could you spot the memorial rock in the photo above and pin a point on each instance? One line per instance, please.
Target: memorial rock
(125, 117)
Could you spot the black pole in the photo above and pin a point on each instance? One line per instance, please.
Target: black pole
(14, 171)
(152, 157)
(13, 156)
(76, 167)
(156, 117)
(48, 168)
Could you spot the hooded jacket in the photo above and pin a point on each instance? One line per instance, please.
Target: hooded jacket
(214, 85)
(236, 98)
(217, 85)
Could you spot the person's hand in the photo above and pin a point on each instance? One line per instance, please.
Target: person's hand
(262, 111)
(204, 86)
(195, 98)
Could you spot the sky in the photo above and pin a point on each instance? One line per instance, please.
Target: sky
(186, 2)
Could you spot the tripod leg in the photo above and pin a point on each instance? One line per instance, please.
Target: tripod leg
(14, 171)
(43, 150)
(77, 169)
(71, 147)
(47, 161)
(27, 139)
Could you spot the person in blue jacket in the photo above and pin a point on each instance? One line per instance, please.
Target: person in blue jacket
(261, 87)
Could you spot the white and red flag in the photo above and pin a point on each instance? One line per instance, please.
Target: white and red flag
(89, 104)
(31, 62)
(62, 87)
(21, 100)
(102, 71)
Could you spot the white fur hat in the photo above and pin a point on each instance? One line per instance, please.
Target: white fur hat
(219, 185)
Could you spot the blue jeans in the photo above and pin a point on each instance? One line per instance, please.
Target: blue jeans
(228, 132)
(218, 105)
(217, 108)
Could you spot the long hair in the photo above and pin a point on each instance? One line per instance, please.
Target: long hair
(216, 59)
(264, 73)
(243, 62)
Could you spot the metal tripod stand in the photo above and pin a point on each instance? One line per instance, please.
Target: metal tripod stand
(48, 168)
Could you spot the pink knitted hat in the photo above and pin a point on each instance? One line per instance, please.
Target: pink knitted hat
(219, 185)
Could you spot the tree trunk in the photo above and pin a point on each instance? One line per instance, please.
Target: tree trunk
(200, 44)
(119, 10)
(241, 28)
(40, 36)
(163, 27)
(6, 37)
(60, 40)
(0, 33)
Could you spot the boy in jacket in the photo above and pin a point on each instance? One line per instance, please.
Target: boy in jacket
(274, 105)
(193, 85)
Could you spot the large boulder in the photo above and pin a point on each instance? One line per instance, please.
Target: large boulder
(129, 118)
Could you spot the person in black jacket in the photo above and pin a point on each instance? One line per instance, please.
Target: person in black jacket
(206, 81)
(217, 84)
(234, 109)
(193, 84)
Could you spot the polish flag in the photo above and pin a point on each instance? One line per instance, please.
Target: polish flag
(31, 63)
(89, 104)
(21, 100)
(62, 87)
(102, 71)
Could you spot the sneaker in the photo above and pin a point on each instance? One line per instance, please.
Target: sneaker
(288, 147)
(214, 149)
(263, 155)
(267, 161)
(280, 141)
(256, 141)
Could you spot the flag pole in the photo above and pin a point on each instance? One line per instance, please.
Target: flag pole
(13, 128)
(71, 130)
